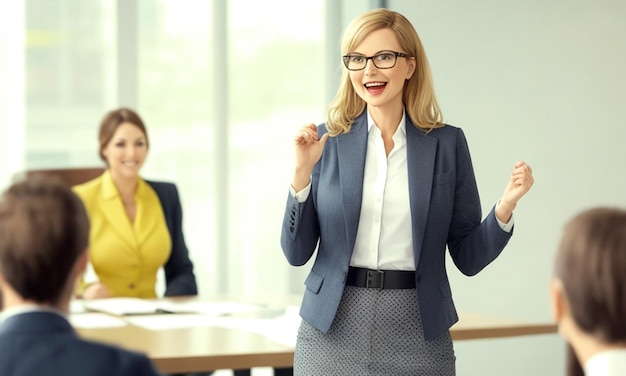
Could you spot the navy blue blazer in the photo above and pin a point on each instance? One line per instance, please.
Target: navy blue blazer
(445, 211)
(45, 344)
(179, 276)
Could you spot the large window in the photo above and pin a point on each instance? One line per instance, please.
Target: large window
(222, 87)
(69, 79)
(275, 73)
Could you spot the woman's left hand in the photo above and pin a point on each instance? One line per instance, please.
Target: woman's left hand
(519, 184)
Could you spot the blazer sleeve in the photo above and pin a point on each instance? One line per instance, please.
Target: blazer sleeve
(179, 276)
(300, 230)
(473, 243)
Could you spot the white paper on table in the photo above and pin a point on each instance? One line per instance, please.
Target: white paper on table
(76, 306)
(136, 306)
(95, 320)
(174, 321)
(210, 308)
(281, 328)
(285, 328)
(125, 306)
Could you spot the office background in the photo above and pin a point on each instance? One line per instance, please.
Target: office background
(222, 86)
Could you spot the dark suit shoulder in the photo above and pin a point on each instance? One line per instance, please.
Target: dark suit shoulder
(54, 353)
(106, 359)
(448, 135)
(450, 126)
(446, 131)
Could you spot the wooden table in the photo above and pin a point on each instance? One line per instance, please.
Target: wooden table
(198, 349)
(208, 348)
(476, 326)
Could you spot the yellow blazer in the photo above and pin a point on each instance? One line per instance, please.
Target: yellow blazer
(125, 255)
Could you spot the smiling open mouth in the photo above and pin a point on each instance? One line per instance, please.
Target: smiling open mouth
(375, 87)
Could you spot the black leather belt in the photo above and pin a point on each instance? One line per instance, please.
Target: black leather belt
(381, 279)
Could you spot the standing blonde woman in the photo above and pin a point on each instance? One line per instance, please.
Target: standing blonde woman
(380, 190)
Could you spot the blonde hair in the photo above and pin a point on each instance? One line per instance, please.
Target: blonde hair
(418, 95)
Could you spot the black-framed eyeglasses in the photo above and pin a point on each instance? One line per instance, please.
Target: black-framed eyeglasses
(382, 60)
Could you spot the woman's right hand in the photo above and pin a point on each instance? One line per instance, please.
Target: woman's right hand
(96, 290)
(308, 150)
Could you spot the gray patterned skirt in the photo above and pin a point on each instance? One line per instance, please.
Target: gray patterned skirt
(375, 332)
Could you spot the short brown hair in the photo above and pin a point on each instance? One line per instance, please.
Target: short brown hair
(591, 263)
(112, 120)
(44, 229)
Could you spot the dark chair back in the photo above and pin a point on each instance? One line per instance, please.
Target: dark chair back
(71, 176)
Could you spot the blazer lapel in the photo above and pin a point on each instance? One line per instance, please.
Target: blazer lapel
(113, 211)
(351, 149)
(421, 152)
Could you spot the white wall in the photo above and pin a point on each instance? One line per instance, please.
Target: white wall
(11, 90)
(543, 81)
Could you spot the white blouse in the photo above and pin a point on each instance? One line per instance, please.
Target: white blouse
(607, 363)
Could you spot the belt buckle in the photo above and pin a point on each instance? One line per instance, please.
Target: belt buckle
(371, 279)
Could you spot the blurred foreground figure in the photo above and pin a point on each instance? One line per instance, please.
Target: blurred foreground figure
(588, 291)
(44, 234)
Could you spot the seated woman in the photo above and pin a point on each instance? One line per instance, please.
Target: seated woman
(136, 224)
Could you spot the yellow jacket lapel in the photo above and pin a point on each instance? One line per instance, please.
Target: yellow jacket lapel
(113, 211)
(148, 211)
